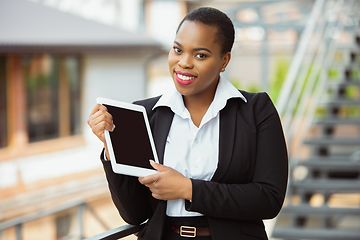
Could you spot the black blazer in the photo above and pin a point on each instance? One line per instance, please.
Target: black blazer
(249, 184)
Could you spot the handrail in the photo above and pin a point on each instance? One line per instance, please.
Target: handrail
(39, 214)
(79, 204)
(285, 92)
(305, 81)
(119, 232)
(308, 107)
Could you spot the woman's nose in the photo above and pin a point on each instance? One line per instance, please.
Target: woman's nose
(185, 61)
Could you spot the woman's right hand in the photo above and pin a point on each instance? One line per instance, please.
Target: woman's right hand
(99, 121)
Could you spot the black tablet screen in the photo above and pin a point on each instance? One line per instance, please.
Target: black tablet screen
(130, 140)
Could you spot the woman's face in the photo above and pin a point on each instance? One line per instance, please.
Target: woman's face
(195, 61)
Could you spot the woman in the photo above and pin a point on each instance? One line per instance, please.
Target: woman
(223, 158)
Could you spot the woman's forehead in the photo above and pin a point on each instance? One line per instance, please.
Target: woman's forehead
(197, 33)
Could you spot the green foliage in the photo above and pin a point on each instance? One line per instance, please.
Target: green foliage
(277, 80)
(235, 82)
(253, 88)
(355, 74)
(35, 82)
(333, 73)
(352, 92)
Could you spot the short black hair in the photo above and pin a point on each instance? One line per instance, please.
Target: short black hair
(211, 16)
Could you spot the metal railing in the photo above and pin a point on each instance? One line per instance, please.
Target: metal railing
(79, 205)
(305, 82)
(118, 232)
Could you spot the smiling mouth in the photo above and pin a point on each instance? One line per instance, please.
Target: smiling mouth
(184, 79)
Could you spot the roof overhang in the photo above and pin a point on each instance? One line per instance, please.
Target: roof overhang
(29, 27)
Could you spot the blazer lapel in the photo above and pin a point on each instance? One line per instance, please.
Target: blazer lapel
(226, 138)
(162, 123)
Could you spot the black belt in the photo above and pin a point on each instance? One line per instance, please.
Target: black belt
(188, 231)
(189, 226)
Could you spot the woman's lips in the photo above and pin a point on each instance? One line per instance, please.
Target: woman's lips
(184, 78)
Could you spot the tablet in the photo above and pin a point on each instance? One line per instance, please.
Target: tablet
(131, 144)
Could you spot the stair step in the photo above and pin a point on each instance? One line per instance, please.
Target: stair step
(332, 121)
(353, 47)
(342, 102)
(331, 164)
(333, 158)
(323, 234)
(333, 141)
(341, 66)
(328, 184)
(343, 83)
(324, 210)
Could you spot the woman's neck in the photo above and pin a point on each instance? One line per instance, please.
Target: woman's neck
(198, 106)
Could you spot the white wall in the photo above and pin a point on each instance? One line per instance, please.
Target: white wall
(121, 78)
(130, 15)
(163, 20)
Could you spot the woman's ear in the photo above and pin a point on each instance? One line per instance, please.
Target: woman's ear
(225, 61)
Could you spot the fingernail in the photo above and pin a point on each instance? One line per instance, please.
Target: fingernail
(113, 127)
(152, 161)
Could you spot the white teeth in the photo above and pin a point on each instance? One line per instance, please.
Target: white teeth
(185, 78)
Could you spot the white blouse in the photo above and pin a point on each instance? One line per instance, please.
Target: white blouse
(193, 151)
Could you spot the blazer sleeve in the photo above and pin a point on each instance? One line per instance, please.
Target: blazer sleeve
(262, 196)
(131, 198)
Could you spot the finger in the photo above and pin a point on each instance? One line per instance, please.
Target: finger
(148, 181)
(99, 116)
(100, 128)
(157, 166)
(99, 121)
(103, 119)
(110, 126)
(151, 179)
(102, 113)
(97, 108)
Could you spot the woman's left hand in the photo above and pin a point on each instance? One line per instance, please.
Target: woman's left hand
(168, 184)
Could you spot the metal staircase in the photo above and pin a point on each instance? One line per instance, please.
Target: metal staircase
(322, 126)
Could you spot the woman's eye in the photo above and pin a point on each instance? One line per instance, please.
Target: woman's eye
(201, 55)
(176, 49)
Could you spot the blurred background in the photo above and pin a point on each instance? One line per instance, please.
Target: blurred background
(58, 56)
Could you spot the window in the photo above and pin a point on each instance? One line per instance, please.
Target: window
(40, 99)
(41, 78)
(52, 90)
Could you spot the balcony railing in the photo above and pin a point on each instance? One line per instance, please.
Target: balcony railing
(118, 232)
(80, 207)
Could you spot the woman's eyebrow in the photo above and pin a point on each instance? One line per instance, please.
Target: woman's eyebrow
(202, 49)
(195, 49)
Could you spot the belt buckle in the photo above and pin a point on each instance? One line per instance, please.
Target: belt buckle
(186, 231)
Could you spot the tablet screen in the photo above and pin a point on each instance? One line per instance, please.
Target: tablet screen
(129, 139)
